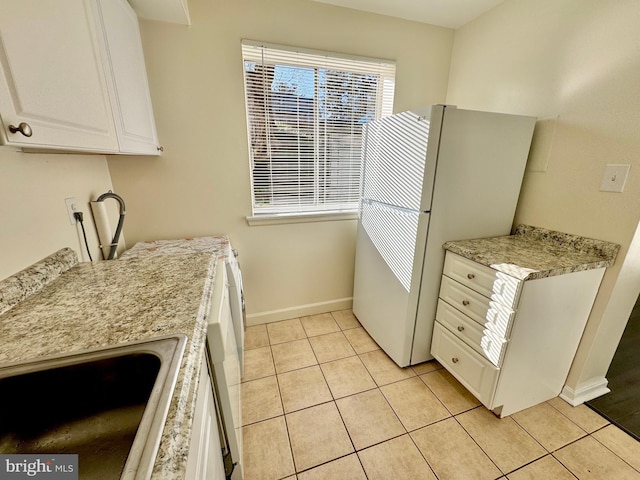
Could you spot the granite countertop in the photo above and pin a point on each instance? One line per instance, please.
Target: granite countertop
(73, 307)
(533, 252)
(218, 245)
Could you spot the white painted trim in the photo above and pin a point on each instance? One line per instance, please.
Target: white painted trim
(282, 218)
(585, 392)
(299, 311)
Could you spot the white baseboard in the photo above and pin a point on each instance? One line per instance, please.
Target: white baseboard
(299, 311)
(585, 392)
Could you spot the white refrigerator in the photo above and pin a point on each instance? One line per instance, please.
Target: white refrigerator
(428, 177)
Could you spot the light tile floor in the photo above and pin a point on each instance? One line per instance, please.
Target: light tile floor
(322, 401)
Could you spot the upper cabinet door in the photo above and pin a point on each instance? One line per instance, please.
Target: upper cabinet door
(128, 85)
(52, 78)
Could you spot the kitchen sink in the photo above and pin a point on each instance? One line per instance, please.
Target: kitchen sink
(108, 406)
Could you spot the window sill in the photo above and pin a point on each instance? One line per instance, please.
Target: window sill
(278, 219)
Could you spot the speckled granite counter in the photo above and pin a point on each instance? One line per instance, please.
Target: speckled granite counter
(534, 252)
(30, 280)
(217, 245)
(106, 303)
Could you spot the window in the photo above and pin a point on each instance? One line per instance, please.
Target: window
(305, 112)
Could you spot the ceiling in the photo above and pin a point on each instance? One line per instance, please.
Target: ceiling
(446, 13)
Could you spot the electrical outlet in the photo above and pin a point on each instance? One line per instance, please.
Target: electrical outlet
(71, 208)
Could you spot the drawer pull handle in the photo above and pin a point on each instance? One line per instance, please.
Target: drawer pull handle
(470, 276)
(460, 328)
(465, 302)
(455, 360)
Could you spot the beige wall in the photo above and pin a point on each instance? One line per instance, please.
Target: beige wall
(32, 208)
(577, 61)
(200, 185)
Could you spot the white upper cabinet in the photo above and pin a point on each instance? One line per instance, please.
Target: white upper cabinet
(128, 85)
(52, 77)
(72, 78)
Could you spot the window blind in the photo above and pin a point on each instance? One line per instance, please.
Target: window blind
(305, 112)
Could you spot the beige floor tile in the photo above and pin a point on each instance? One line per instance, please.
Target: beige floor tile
(449, 391)
(319, 324)
(255, 337)
(620, 443)
(260, 400)
(546, 467)
(426, 367)
(452, 453)
(587, 459)
(345, 468)
(303, 388)
(293, 355)
(548, 426)
(369, 418)
(581, 415)
(347, 376)
(383, 369)
(386, 451)
(285, 331)
(317, 436)
(395, 459)
(331, 346)
(360, 340)
(258, 363)
(267, 454)
(413, 402)
(346, 319)
(506, 443)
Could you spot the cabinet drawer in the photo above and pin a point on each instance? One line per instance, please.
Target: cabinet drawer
(469, 273)
(472, 370)
(461, 325)
(498, 286)
(468, 301)
(482, 340)
(488, 314)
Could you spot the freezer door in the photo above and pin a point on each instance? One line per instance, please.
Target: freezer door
(389, 256)
(397, 169)
(394, 157)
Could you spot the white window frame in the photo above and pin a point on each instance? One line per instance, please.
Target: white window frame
(261, 117)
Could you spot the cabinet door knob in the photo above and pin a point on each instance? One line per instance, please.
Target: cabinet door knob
(23, 128)
(470, 276)
(455, 360)
(465, 302)
(460, 328)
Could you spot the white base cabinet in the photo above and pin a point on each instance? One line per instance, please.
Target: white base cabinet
(72, 78)
(220, 400)
(205, 451)
(510, 342)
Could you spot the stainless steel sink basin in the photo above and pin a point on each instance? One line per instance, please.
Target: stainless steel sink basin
(108, 406)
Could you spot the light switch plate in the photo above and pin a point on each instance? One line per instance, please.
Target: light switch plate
(615, 176)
